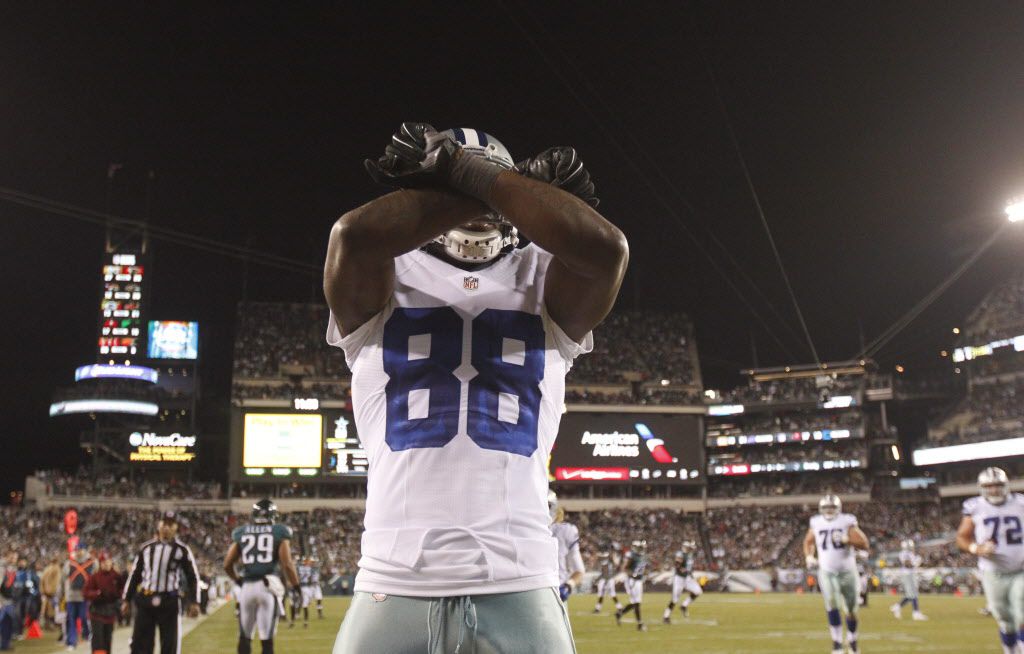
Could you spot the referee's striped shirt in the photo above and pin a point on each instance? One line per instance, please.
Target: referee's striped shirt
(159, 567)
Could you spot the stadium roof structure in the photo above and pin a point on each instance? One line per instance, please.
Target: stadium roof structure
(851, 367)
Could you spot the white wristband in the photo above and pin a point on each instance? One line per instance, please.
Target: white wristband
(973, 548)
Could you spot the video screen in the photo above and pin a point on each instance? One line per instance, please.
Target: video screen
(344, 454)
(173, 339)
(628, 448)
(282, 440)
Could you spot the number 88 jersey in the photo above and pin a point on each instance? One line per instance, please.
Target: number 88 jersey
(458, 386)
(1003, 525)
(258, 547)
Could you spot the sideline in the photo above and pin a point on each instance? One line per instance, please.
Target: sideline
(122, 635)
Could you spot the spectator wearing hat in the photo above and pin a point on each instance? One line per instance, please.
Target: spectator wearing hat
(103, 591)
(77, 571)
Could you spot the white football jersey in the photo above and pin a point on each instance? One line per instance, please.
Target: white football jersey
(569, 558)
(833, 556)
(458, 386)
(910, 559)
(1004, 526)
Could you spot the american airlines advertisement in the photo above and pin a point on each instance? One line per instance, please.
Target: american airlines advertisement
(641, 448)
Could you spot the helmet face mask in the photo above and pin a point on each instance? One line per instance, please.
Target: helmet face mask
(264, 512)
(830, 506)
(994, 485)
(479, 242)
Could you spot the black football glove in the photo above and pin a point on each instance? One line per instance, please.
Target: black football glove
(419, 156)
(561, 167)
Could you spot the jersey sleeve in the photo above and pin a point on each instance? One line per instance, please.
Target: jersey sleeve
(568, 348)
(970, 505)
(353, 343)
(852, 520)
(284, 532)
(236, 534)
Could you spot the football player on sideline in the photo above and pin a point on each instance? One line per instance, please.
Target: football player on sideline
(570, 561)
(634, 565)
(459, 344)
(608, 560)
(910, 561)
(309, 579)
(260, 549)
(683, 580)
(993, 529)
(835, 535)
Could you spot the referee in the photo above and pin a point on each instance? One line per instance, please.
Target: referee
(155, 585)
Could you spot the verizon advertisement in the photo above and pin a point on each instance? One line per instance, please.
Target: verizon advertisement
(641, 448)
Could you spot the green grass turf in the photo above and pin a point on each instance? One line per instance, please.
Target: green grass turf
(718, 624)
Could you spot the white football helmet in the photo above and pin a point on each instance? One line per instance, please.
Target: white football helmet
(830, 506)
(994, 484)
(907, 545)
(689, 546)
(552, 504)
(470, 246)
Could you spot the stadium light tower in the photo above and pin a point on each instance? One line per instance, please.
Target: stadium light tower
(1015, 210)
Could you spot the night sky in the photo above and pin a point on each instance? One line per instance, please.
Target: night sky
(882, 138)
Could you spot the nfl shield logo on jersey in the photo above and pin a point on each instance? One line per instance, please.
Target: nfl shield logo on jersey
(470, 283)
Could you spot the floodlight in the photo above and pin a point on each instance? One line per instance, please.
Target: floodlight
(1015, 210)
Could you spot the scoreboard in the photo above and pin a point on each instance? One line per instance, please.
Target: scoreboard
(625, 448)
(121, 306)
(315, 444)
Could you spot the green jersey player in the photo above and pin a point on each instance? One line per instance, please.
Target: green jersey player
(992, 528)
(258, 551)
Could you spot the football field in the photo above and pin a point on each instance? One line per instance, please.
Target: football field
(718, 624)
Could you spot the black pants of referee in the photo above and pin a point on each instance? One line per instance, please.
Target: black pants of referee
(156, 611)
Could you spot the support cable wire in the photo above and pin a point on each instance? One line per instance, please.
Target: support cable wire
(201, 243)
(757, 200)
(886, 336)
(669, 208)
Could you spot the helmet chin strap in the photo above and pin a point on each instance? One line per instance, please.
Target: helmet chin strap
(476, 246)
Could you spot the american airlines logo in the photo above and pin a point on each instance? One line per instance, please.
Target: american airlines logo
(150, 439)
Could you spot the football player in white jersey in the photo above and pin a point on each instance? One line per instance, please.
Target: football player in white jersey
(829, 545)
(992, 528)
(910, 561)
(459, 343)
(570, 561)
(683, 580)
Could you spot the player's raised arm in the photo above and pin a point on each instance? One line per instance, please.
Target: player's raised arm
(359, 273)
(590, 253)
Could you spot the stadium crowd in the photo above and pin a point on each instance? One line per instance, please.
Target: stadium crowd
(783, 484)
(276, 340)
(105, 484)
(800, 389)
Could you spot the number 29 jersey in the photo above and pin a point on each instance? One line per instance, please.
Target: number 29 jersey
(458, 386)
(258, 548)
(1003, 524)
(833, 555)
